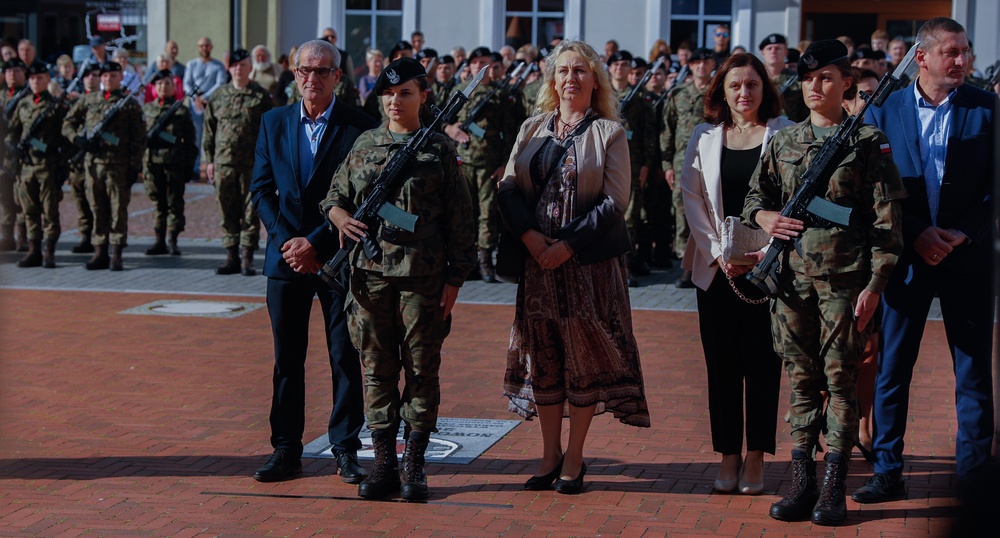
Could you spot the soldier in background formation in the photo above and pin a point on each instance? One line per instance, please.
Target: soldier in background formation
(14, 72)
(112, 162)
(169, 157)
(91, 79)
(774, 53)
(232, 121)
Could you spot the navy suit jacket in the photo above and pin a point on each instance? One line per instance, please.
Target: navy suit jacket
(286, 209)
(966, 189)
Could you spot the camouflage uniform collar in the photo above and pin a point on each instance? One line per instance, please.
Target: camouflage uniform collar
(381, 136)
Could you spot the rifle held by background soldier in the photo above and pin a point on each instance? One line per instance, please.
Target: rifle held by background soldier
(635, 89)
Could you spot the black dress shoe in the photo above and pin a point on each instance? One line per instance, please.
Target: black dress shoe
(279, 466)
(571, 487)
(539, 483)
(351, 471)
(880, 487)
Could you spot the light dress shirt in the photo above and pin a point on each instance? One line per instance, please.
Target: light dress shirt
(935, 126)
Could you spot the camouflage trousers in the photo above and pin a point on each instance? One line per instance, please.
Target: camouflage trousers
(78, 186)
(10, 207)
(681, 230)
(815, 333)
(164, 184)
(240, 224)
(109, 193)
(395, 323)
(657, 213)
(483, 187)
(40, 192)
(633, 212)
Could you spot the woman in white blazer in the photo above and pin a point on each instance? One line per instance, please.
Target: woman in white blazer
(742, 110)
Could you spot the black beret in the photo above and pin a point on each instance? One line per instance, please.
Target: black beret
(639, 63)
(866, 53)
(447, 59)
(674, 68)
(14, 62)
(162, 74)
(496, 57)
(620, 56)
(108, 66)
(427, 53)
(821, 54)
(701, 54)
(479, 52)
(91, 67)
(400, 45)
(96, 41)
(38, 68)
(238, 55)
(398, 72)
(793, 56)
(773, 39)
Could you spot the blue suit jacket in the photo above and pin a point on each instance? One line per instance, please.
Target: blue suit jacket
(967, 186)
(285, 208)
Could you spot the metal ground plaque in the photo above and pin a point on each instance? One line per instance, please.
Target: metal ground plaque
(458, 441)
(205, 309)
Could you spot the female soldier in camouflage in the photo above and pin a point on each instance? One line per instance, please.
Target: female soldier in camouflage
(400, 308)
(822, 315)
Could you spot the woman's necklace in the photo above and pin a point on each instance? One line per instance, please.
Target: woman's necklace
(568, 127)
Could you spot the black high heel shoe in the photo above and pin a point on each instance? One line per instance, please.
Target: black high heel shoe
(571, 487)
(539, 483)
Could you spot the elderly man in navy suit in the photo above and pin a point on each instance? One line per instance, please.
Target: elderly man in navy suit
(941, 132)
(298, 150)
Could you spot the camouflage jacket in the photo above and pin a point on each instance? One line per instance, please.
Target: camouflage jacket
(9, 146)
(492, 134)
(440, 93)
(436, 192)
(866, 180)
(684, 110)
(529, 94)
(48, 141)
(127, 128)
(640, 129)
(232, 121)
(176, 143)
(793, 105)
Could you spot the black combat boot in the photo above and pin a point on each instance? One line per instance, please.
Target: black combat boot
(831, 509)
(486, 266)
(84, 246)
(8, 244)
(160, 246)
(100, 260)
(246, 262)
(414, 479)
(232, 265)
(22, 237)
(34, 256)
(633, 281)
(801, 497)
(172, 243)
(116, 257)
(383, 480)
(49, 255)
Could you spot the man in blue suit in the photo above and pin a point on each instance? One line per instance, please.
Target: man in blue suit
(941, 132)
(298, 150)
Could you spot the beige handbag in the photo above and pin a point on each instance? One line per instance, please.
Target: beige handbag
(738, 239)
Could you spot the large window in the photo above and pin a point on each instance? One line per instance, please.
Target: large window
(371, 24)
(695, 21)
(537, 22)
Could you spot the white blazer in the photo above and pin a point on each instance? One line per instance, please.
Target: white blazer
(701, 184)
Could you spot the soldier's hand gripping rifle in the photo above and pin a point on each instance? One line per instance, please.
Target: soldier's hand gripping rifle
(469, 125)
(90, 142)
(156, 132)
(378, 204)
(635, 89)
(678, 80)
(30, 139)
(515, 90)
(808, 204)
(12, 104)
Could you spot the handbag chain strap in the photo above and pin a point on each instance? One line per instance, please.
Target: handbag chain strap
(744, 297)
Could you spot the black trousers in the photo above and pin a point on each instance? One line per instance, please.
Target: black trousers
(742, 367)
(289, 303)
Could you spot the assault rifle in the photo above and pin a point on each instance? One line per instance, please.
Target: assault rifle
(29, 139)
(378, 204)
(12, 104)
(678, 80)
(515, 90)
(808, 204)
(787, 85)
(635, 89)
(91, 141)
(157, 132)
(469, 125)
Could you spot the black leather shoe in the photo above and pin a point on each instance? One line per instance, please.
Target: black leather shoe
(880, 487)
(571, 487)
(539, 483)
(351, 471)
(279, 466)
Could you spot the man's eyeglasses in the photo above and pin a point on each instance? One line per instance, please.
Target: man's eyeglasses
(721, 34)
(321, 72)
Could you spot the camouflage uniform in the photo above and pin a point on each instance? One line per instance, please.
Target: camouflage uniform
(640, 130)
(169, 159)
(685, 109)
(490, 139)
(39, 189)
(10, 207)
(442, 92)
(110, 169)
(529, 94)
(394, 307)
(78, 186)
(812, 319)
(793, 105)
(232, 120)
(656, 196)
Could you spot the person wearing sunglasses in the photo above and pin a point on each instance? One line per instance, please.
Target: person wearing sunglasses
(721, 38)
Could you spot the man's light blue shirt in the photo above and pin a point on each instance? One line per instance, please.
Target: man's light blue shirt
(208, 76)
(310, 134)
(935, 126)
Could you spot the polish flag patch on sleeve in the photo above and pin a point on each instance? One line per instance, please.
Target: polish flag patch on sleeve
(459, 159)
(884, 148)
